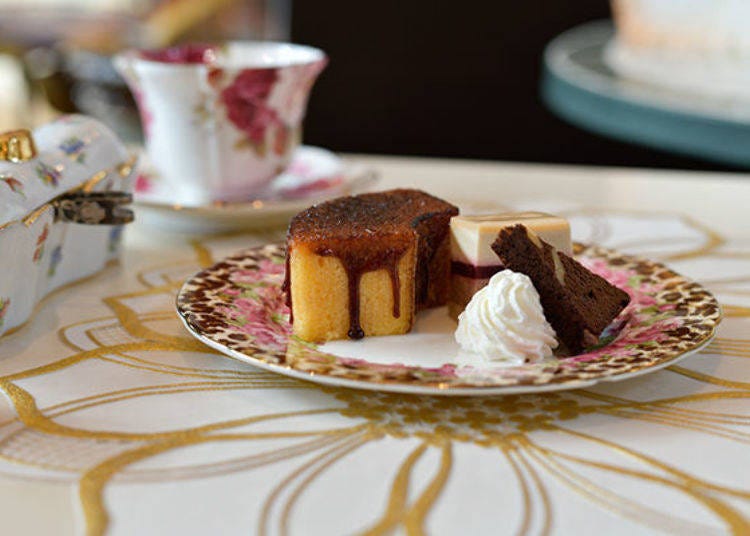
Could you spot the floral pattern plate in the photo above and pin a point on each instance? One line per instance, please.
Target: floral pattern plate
(237, 307)
(314, 174)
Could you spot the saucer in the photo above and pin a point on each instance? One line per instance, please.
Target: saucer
(315, 174)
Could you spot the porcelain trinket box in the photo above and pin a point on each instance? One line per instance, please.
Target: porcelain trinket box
(62, 194)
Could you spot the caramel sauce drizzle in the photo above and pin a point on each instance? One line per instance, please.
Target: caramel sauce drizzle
(355, 269)
(356, 265)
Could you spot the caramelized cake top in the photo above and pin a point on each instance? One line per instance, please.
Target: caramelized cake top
(363, 216)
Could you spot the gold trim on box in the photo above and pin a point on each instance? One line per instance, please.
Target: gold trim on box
(91, 183)
(29, 220)
(17, 146)
(87, 186)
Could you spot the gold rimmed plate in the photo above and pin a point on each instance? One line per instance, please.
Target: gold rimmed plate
(238, 307)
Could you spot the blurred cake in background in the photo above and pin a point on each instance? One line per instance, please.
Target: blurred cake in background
(697, 46)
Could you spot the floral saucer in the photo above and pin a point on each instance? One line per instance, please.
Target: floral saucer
(238, 308)
(314, 174)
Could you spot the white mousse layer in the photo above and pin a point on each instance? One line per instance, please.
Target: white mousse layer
(472, 236)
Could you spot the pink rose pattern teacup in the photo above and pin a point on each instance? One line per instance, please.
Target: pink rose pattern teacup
(221, 121)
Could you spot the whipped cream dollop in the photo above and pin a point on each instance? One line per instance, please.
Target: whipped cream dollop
(505, 322)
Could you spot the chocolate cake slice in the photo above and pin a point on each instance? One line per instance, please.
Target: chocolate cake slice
(577, 303)
(363, 265)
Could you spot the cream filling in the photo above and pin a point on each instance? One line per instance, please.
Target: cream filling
(504, 322)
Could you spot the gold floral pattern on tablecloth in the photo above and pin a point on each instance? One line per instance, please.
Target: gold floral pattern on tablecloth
(139, 362)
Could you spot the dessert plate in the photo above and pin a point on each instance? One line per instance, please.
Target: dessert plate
(238, 308)
(314, 174)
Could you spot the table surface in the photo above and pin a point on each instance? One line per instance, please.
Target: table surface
(115, 421)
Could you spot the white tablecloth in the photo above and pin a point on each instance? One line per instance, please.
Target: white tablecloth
(115, 420)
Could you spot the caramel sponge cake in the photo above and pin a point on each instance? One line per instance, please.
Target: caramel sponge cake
(577, 303)
(363, 265)
(472, 260)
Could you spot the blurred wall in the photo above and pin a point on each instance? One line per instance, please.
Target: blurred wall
(458, 79)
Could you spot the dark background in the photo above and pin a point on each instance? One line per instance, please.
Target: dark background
(455, 79)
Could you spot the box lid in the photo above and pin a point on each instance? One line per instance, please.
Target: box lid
(73, 152)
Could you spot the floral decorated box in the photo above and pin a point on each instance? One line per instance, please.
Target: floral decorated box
(61, 191)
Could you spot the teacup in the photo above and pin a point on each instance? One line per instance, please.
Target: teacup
(220, 122)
